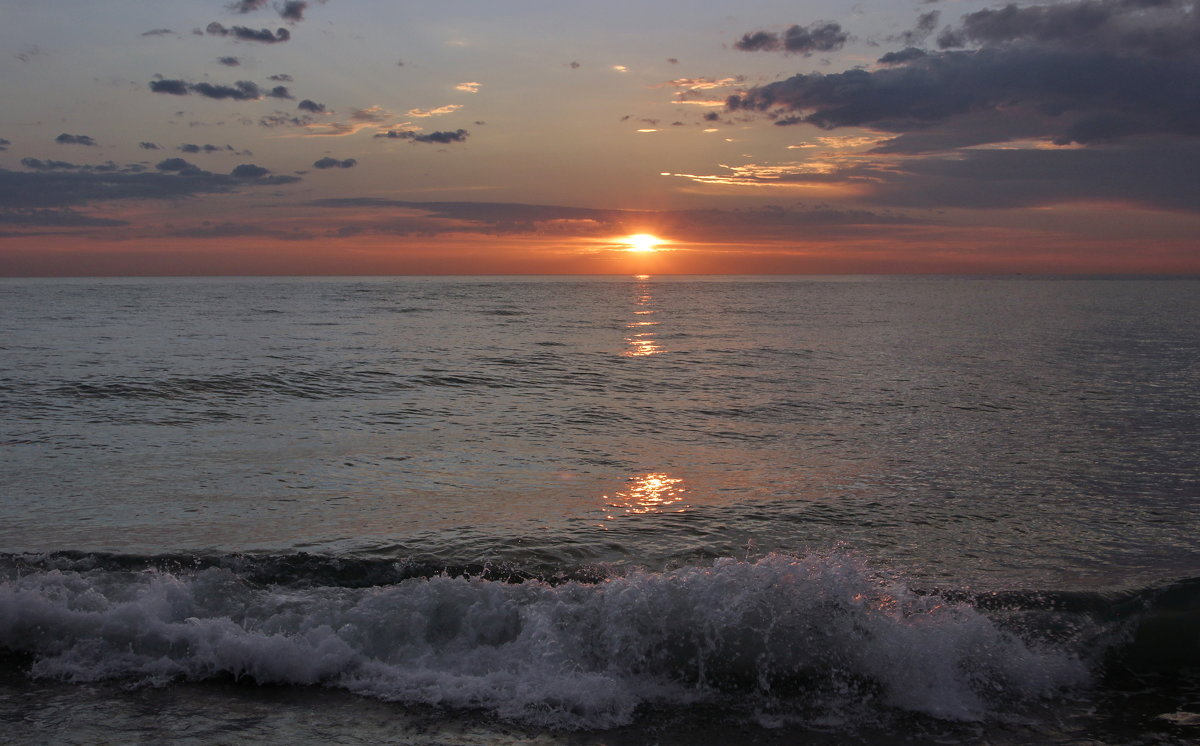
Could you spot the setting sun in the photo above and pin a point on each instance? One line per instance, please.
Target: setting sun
(641, 242)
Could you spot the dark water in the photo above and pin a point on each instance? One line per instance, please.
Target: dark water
(619, 510)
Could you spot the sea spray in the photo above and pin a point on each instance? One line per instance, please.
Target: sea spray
(808, 634)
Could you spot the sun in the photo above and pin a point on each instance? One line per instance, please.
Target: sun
(640, 242)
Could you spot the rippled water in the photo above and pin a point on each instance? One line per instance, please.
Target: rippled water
(841, 438)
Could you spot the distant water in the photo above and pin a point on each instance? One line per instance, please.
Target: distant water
(600, 510)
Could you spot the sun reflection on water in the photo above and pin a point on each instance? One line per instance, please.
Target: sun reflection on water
(648, 493)
(641, 340)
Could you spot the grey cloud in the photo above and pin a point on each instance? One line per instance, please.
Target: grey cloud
(20, 190)
(335, 163)
(283, 119)
(172, 87)
(310, 105)
(459, 135)
(1161, 28)
(292, 10)
(1077, 97)
(281, 78)
(1152, 175)
(925, 26)
(148, 146)
(56, 219)
(175, 164)
(158, 32)
(229, 61)
(65, 139)
(242, 33)
(246, 6)
(242, 90)
(804, 40)
(279, 91)
(4, 144)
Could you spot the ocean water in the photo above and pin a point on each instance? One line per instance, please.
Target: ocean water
(617, 510)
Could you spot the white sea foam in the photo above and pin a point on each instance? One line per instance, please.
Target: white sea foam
(818, 633)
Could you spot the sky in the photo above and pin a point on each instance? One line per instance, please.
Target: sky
(349, 137)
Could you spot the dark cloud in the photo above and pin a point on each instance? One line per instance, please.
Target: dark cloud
(1086, 71)
(459, 135)
(4, 144)
(158, 32)
(281, 78)
(148, 146)
(335, 163)
(1160, 28)
(229, 61)
(246, 6)
(206, 148)
(284, 119)
(310, 105)
(292, 10)
(65, 139)
(803, 40)
(925, 26)
(55, 189)
(1154, 175)
(56, 219)
(242, 90)
(175, 164)
(242, 33)
(1071, 96)
(38, 164)
(172, 87)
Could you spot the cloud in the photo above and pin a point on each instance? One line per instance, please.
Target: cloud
(249, 171)
(325, 163)
(229, 61)
(803, 40)
(242, 90)
(65, 139)
(310, 105)
(4, 144)
(292, 10)
(925, 26)
(468, 87)
(1084, 72)
(56, 188)
(56, 219)
(459, 135)
(172, 87)
(206, 148)
(439, 111)
(281, 78)
(158, 32)
(175, 164)
(246, 6)
(242, 33)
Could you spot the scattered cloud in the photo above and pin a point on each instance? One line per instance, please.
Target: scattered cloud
(311, 106)
(229, 61)
(803, 40)
(325, 163)
(4, 144)
(242, 90)
(242, 33)
(158, 32)
(439, 111)
(468, 87)
(65, 139)
(292, 10)
(431, 137)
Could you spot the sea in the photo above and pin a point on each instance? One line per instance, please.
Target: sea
(586, 511)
